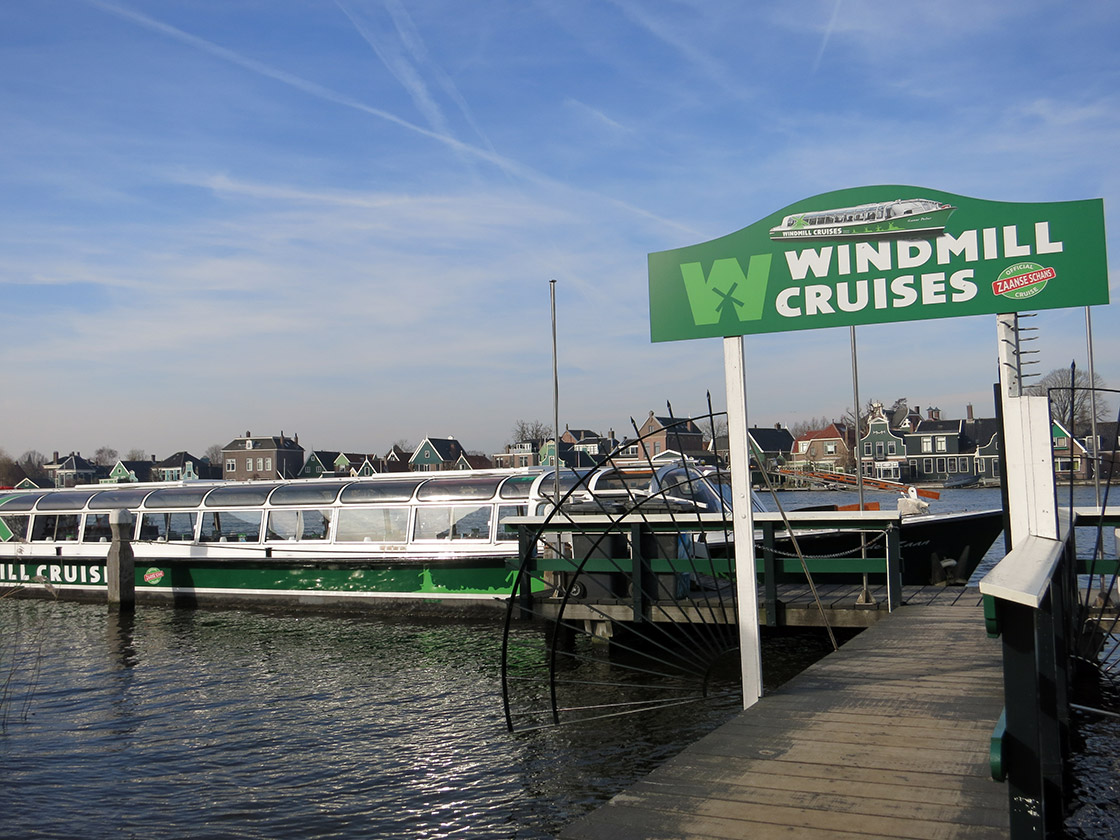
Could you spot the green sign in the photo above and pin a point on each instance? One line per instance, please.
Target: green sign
(875, 255)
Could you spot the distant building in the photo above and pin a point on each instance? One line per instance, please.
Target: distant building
(435, 454)
(828, 449)
(248, 458)
(71, 470)
(182, 466)
(128, 472)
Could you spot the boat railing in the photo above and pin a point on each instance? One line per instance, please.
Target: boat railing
(634, 558)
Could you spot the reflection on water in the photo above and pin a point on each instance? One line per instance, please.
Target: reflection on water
(178, 723)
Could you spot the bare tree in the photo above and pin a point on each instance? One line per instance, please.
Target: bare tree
(530, 430)
(10, 472)
(861, 427)
(32, 464)
(803, 426)
(136, 455)
(1056, 385)
(105, 456)
(214, 453)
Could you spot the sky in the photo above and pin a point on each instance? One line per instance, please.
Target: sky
(341, 219)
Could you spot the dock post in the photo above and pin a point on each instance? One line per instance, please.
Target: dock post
(120, 565)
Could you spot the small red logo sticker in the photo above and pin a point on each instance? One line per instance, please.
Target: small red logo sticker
(153, 576)
(1022, 280)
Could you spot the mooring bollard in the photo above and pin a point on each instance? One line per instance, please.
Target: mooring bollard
(120, 565)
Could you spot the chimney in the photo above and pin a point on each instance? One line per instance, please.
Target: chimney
(968, 411)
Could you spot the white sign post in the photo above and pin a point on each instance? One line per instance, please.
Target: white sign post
(746, 585)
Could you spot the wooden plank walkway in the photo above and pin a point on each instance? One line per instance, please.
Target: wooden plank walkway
(888, 737)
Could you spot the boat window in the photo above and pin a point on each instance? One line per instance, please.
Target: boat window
(568, 480)
(168, 527)
(231, 526)
(173, 497)
(382, 524)
(517, 487)
(447, 489)
(57, 527)
(617, 480)
(97, 528)
(13, 526)
(688, 484)
(508, 532)
(298, 524)
(115, 499)
(380, 491)
(239, 496)
(304, 494)
(64, 500)
(22, 502)
(453, 522)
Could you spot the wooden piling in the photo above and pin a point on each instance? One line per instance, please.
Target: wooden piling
(120, 565)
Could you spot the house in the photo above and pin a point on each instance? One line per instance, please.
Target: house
(883, 449)
(937, 450)
(828, 449)
(182, 466)
(1103, 452)
(71, 470)
(660, 434)
(128, 472)
(526, 453)
(473, 462)
(395, 460)
(325, 462)
(435, 454)
(983, 435)
(1071, 458)
(770, 446)
(266, 457)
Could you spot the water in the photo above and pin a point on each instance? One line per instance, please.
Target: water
(222, 723)
(270, 725)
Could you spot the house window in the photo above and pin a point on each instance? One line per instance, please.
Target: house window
(1061, 442)
(867, 448)
(268, 464)
(941, 466)
(830, 449)
(260, 464)
(657, 447)
(891, 448)
(248, 465)
(879, 450)
(927, 445)
(941, 443)
(231, 465)
(927, 465)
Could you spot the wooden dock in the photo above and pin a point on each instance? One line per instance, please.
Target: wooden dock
(888, 737)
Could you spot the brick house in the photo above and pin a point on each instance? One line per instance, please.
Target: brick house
(269, 457)
(830, 449)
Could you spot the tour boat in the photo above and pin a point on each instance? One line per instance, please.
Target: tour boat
(918, 217)
(412, 540)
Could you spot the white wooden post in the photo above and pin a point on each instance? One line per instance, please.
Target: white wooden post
(1029, 480)
(750, 651)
